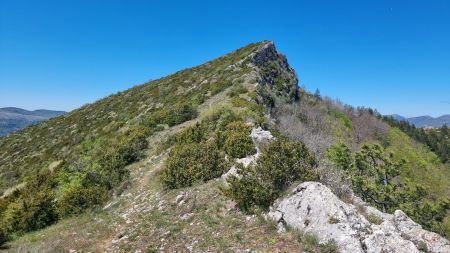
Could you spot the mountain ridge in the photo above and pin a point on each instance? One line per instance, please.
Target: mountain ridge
(425, 120)
(141, 170)
(14, 118)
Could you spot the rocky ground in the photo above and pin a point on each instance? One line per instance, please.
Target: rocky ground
(355, 227)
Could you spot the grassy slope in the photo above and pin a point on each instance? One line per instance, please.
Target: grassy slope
(36, 147)
(423, 166)
(147, 218)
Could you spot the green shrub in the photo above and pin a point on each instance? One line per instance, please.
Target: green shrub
(372, 218)
(374, 176)
(422, 246)
(341, 156)
(191, 163)
(193, 134)
(221, 117)
(240, 102)
(237, 140)
(79, 198)
(171, 116)
(32, 213)
(219, 86)
(113, 158)
(249, 191)
(180, 114)
(281, 163)
(445, 229)
(310, 242)
(328, 247)
(333, 220)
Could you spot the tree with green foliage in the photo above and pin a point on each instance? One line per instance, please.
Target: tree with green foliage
(341, 156)
(374, 176)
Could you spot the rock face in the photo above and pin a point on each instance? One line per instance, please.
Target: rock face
(261, 138)
(277, 79)
(313, 208)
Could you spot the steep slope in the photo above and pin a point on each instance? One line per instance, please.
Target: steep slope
(13, 119)
(67, 148)
(140, 171)
(34, 148)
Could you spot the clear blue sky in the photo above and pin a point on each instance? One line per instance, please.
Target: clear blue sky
(390, 55)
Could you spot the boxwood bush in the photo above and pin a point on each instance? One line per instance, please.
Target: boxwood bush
(281, 163)
(191, 163)
(237, 140)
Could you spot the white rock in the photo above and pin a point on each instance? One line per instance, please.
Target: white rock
(313, 208)
(180, 197)
(261, 138)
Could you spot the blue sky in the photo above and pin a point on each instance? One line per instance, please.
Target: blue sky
(390, 55)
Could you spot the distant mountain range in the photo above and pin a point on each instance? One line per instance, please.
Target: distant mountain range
(12, 118)
(425, 121)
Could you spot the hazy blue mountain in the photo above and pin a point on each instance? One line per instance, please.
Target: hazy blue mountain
(12, 118)
(425, 121)
(398, 117)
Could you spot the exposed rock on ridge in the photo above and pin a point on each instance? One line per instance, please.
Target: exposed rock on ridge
(260, 138)
(277, 80)
(313, 208)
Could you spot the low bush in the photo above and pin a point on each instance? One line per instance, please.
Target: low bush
(281, 163)
(171, 116)
(341, 156)
(79, 198)
(32, 213)
(193, 134)
(180, 114)
(113, 158)
(191, 163)
(372, 218)
(237, 140)
(218, 119)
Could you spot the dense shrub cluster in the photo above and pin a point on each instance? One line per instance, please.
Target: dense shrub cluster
(281, 163)
(374, 175)
(237, 141)
(191, 163)
(172, 116)
(79, 198)
(31, 207)
(199, 151)
(72, 186)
